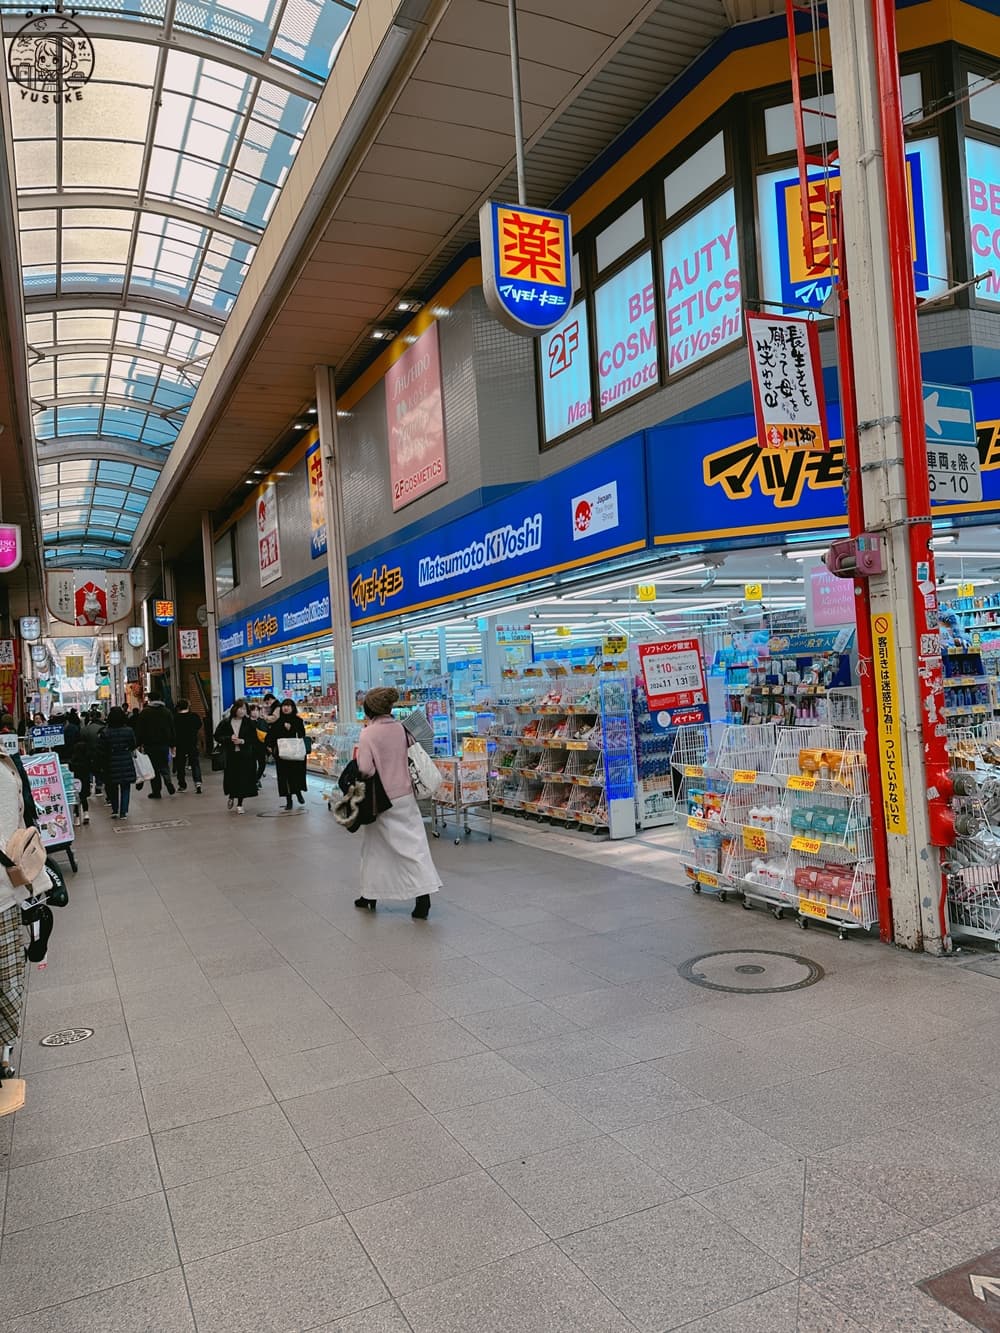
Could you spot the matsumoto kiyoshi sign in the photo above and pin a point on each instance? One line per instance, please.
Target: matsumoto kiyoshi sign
(298, 615)
(591, 511)
(734, 488)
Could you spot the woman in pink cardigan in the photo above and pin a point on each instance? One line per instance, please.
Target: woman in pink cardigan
(395, 858)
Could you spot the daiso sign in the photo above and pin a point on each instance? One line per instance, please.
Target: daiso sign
(626, 333)
(983, 167)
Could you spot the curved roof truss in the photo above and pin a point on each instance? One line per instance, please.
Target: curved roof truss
(142, 194)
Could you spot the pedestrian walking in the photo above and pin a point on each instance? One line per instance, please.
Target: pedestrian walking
(90, 734)
(117, 747)
(187, 725)
(395, 858)
(155, 732)
(286, 740)
(237, 736)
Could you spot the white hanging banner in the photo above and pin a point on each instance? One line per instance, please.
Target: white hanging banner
(88, 597)
(786, 374)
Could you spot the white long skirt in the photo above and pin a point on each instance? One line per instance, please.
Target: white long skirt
(395, 857)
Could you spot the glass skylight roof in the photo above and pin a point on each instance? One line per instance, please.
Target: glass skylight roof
(141, 200)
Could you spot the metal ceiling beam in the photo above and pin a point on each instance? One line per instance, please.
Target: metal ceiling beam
(101, 448)
(47, 351)
(128, 202)
(136, 305)
(222, 53)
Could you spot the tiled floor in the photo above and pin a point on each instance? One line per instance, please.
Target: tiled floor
(515, 1118)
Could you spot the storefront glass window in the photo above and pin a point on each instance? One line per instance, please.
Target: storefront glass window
(701, 277)
(699, 173)
(984, 100)
(625, 309)
(982, 164)
(226, 571)
(625, 232)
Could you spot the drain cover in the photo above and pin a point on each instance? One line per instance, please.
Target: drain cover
(67, 1037)
(144, 828)
(751, 971)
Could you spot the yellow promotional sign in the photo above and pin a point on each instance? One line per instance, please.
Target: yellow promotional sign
(753, 592)
(74, 666)
(887, 708)
(966, 590)
(645, 592)
(615, 645)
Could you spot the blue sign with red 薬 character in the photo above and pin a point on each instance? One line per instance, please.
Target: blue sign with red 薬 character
(527, 265)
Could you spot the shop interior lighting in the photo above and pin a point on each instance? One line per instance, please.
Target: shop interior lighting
(810, 553)
(408, 306)
(382, 335)
(650, 576)
(344, 416)
(968, 555)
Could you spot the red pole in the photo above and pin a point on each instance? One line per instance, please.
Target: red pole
(862, 603)
(907, 344)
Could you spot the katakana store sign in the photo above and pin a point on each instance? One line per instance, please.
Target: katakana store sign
(527, 266)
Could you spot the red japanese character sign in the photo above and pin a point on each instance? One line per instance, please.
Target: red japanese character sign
(527, 266)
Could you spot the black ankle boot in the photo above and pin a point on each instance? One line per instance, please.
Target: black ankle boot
(364, 903)
(422, 907)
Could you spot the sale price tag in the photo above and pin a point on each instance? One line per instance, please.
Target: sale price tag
(802, 782)
(706, 877)
(803, 844)
(754, 839)
(697, 823)
(966, 590)
(745, 775)
(808, 908)
(693, 771)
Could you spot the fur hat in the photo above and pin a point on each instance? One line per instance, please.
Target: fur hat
(379, 702)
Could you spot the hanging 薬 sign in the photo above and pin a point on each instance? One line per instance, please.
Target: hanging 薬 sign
(786, 375)
(88, 597)
(163, 612)
(527, 266)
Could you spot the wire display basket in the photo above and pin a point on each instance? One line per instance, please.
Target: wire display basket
(974, 902)
(748, 749)
(843, 707)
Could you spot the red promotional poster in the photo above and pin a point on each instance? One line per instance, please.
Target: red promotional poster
(672, 674)
(415, 421)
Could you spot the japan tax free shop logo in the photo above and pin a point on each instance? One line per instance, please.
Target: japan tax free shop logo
(51, 59)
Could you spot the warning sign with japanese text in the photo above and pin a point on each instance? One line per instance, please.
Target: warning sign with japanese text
(527, 266)
(786, 375)
(887, 709)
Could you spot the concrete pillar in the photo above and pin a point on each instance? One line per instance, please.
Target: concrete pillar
(211, 617)
(336, 550)
(914, 872)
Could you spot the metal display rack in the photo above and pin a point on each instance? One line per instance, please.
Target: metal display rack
(781, 816)
(972, 863)
(465, 787)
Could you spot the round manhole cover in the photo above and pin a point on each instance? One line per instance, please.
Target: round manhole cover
(751, 971)
(67, 1037)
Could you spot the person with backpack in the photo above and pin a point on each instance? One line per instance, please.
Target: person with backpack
(117, 745)
(187, 725)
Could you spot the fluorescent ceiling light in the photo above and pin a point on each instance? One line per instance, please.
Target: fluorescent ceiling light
(968, 555)
(812, 553)
(649, 576)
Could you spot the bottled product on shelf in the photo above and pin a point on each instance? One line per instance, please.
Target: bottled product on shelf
(781, 816)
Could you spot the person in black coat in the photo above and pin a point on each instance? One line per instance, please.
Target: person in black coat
(155, 731)
(187, 725)
(117, 745)
(289, 728)
(237, 735)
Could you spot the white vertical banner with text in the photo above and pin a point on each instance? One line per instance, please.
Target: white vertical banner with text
(268, 542)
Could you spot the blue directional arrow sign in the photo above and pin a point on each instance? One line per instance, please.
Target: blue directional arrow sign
(949, 415)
